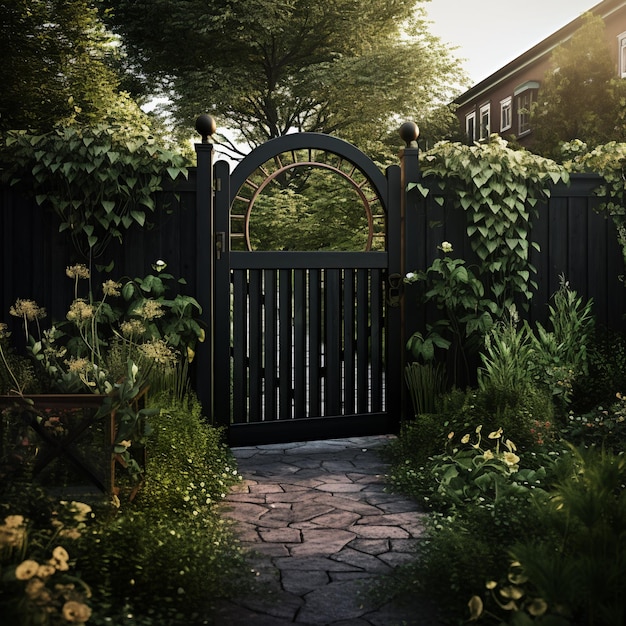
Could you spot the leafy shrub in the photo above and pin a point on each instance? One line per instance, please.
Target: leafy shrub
(170, 543)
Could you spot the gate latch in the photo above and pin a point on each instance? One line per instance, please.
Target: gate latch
(394, 289)
(220, 242)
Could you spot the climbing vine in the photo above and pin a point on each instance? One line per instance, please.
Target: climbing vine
(608, 161)
(500, 189)
(99, 179)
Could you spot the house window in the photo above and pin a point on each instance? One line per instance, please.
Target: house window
(621, 40)
(506, 113)
(525, 95)
(470, 126)
(485, 126)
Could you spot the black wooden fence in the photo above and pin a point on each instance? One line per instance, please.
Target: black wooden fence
(575, 242)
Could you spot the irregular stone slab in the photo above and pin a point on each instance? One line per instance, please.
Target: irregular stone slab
(281, 535)
(366, 562)
(336, 519)
(301, 582)
(372, 546)
(336, 601)
(336, 487)
(321, 542)
(311, 563)
(245, 511)
(379, 532)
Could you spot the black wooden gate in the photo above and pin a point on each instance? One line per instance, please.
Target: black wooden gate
(305, 345)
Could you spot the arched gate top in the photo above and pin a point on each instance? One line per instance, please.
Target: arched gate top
(310, 141)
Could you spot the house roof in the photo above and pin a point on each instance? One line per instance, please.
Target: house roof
(537, 52)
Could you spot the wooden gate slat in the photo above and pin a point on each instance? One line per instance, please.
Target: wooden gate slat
(315, 341)
(256, 342)
(349, 330)
(377, 324)
(269, 353)
(285, 360)
(332, 341)
(362, 333)
(300, 351)
(240, 324)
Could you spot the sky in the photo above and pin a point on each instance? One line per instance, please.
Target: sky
(490, 33)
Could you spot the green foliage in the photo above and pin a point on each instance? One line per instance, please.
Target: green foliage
(98, 179)
(170, 544)
(56, 64)
(426, 383)
(311, 210)
(349, 67)
(579, 97)
(606, 355)
(515, 360)
(580, 572)
(177, 321)
(609, 161)
(499, 188)
(457, 291)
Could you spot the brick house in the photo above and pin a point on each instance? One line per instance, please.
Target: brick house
(501, 102)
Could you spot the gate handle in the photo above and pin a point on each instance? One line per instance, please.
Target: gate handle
(395, 289)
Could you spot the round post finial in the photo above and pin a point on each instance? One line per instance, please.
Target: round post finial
(409, 132)
(205, 125)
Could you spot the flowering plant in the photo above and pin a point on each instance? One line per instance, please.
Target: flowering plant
(482, 470)
(37, 585)
(115, 351)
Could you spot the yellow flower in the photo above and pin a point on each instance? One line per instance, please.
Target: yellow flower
(111, 288)
(488, 455)
(492, 584)
(28, 309)
(79, 311)
(511, 592)
(510, 458)
(132, 327)
(45, 571)
(475, 607)
(496, 434)
(77, 271)
(60, 558)
(14, 521)
(159, 352)
(537, 607)
(510, 445)
(26, 569)
(76, 612)
(149, 310)
(465, 439)
(450, 435)
(4, 330)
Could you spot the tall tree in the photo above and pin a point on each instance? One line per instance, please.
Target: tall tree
(269, 67)
(54, 63)
(579, 97)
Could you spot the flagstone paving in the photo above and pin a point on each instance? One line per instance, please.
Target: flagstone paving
(320, 528)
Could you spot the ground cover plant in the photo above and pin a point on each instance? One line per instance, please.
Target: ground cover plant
(165, 558)
(524, 475)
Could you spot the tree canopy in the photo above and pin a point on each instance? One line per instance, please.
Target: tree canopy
(579, 97)
(270, 67)
(55, 63)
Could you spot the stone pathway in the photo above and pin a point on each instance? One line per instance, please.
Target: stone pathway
(320, 527)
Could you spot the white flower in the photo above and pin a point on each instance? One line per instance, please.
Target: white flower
(446, 247)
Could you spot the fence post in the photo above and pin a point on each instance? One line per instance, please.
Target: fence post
(205, 258)
(409, 173)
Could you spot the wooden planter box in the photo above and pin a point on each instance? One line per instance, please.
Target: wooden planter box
(66, 446)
